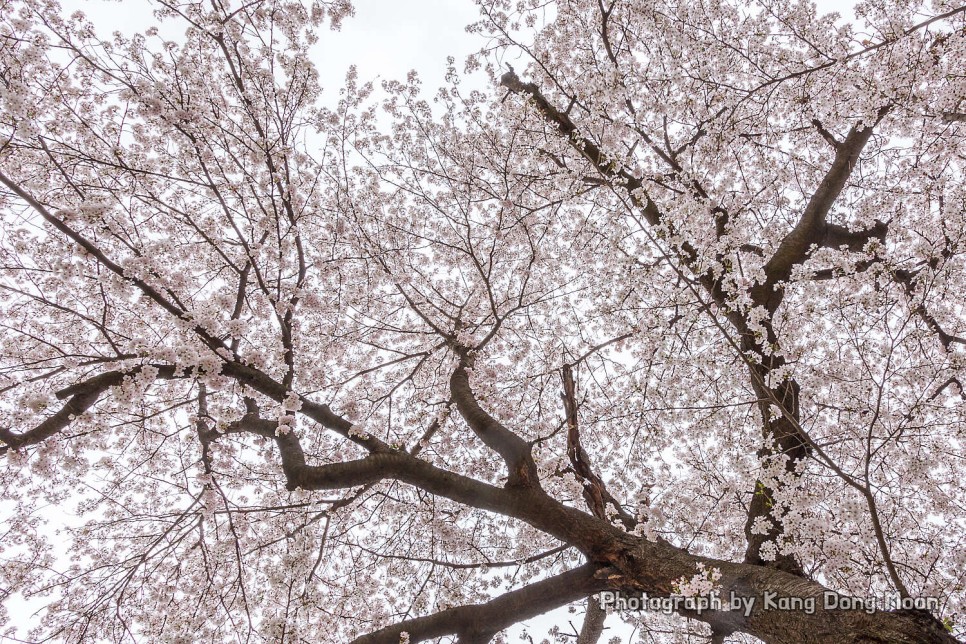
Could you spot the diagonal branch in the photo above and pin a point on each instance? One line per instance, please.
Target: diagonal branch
(480, 622)
(786, 435)
(531, 505)
(319, 412)
(81, 397)
(906, 280)
(812, 228)
(168, 305)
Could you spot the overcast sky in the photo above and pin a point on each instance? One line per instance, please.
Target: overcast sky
(385, 39)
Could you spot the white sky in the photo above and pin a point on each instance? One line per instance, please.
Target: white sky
(388, 38)
(385, 39)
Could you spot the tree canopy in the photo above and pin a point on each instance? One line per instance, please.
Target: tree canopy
(672, 309)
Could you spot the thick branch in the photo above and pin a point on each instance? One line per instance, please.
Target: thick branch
(514, 450)
(81, 397)
(480, 622)
(532, 505)
(593, 626)
(812, 228)
(320, 413)
(632, 564)
(836, 236)
(816, 625)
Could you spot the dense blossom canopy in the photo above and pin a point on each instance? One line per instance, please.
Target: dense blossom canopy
(674, 307)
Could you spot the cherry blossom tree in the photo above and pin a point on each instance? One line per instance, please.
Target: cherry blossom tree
(673, 310)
